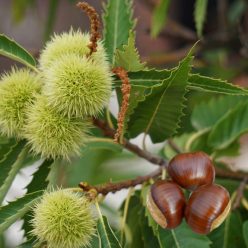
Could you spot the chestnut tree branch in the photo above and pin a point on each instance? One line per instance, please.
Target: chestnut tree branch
(109, 132)
(106, 188)
(240, 193)
(154, 159)
(174, 146)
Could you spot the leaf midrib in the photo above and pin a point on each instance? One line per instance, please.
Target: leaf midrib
(156, 110)
(226, 230)
(115, 30)
(175, 238)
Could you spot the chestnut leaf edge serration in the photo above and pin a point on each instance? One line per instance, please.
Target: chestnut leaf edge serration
(12, 50)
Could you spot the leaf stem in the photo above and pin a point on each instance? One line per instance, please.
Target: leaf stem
(108, 117)
(194, 137)
(12, 174)
(99, 211)
(106, 188)
(124, 218)
(109, 132)
(154, 159)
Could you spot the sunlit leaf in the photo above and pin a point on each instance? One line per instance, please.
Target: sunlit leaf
(12, 50)
(159, 115)
(229, 234)
(15, 210)
(106, 234)
(118, 22)
(229, 127)
(128, 57)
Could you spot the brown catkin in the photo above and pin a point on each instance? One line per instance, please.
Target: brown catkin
(94, 25)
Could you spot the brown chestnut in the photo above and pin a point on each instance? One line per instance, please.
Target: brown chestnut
(207, 208)
(191, 170)
(166, 203)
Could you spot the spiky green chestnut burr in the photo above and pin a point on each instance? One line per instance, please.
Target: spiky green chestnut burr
(63, 219)
(73, 42)
(53, 135)
(77, 86)
(18, 89)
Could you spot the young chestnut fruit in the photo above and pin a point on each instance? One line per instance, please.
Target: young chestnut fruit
(191, 170)
(207, 208)
(166, 203)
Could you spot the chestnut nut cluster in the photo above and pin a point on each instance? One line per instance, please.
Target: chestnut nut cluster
(208, 204)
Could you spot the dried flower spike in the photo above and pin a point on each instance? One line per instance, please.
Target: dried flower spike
(94, 25)
(18, 89)
(63, 219)
(125, 89)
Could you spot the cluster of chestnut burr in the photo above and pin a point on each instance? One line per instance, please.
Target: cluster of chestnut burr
(208, 204)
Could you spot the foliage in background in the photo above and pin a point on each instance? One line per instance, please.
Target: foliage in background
(158, 102)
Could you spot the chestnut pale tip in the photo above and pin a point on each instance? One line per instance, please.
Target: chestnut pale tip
(166, 203)
(207, 208)
(221, 218)
(155, 211)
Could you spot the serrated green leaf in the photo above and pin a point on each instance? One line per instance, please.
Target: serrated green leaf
(118, 22)
(12, 50)
(245, 232)
(146, 78)
(128, 57)
(206, 114)
(6, 166)
(133, 217)
(160, 113)
(200, 15)
(229, 127)
(159, 16)
(15, 210)
(195, 82)
(40, 177)
(148, 236)
(38, 184)
(106, 234)
(137, 95)
(6, 146)
(202, 83)
(229, 234)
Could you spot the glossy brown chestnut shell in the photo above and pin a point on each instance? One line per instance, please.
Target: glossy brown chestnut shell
(191, 170)
(207, 208)
(166, 203)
